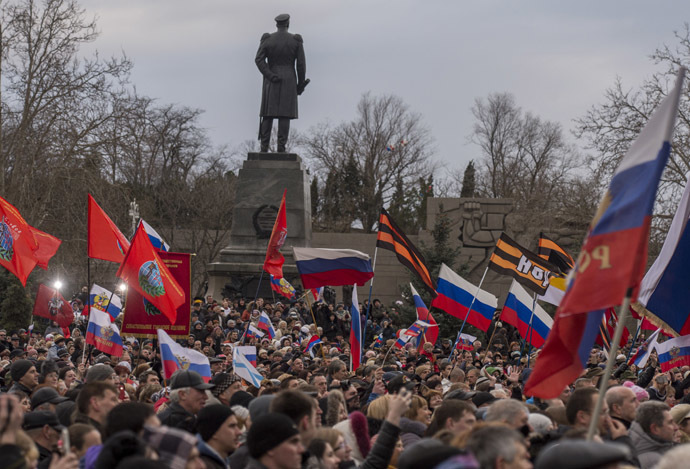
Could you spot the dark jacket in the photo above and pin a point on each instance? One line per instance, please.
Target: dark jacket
(381, 453)
(240, 458)
(177, 417)
(12, 457)
(210, 457)
(20, 387)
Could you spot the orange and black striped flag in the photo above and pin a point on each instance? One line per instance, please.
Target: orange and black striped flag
(391, 237)
(555, 254)
(509, 258)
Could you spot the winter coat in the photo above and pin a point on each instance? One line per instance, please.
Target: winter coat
(177, 417)
(381, 453)
(649, 449)
(210, 457)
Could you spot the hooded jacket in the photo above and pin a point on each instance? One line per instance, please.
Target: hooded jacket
(649, 448)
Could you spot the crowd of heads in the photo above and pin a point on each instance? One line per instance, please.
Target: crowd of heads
(66, 405)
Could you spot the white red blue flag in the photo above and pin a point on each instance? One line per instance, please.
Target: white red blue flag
(644, 351)
(674, 353)
(176, 357)
(253, 331)
(431, 332)
(319, 267)
(517, 311)
(266, 325)
(105, 301)
(313, 342)
(103, 334)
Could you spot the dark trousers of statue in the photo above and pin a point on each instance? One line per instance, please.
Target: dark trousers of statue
(265, 132)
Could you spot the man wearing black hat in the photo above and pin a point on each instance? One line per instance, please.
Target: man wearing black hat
(279, 55)
(187, 398)
(44, 429)
(46, 399)
(274, 441)
(24, 375)
(219, 435)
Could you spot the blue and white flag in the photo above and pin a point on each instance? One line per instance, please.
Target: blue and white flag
(156, 239)
(245, 370)
(253, 331)
(105, 301)
(644, 351)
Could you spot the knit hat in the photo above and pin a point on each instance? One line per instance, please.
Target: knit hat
(210, 418)
(99, 372)
(259, 406)
(172, 445)
(242, 398)
(19, 369)
(269, 431)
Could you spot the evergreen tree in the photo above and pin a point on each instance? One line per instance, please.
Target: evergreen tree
(468, 181)
(15, 304)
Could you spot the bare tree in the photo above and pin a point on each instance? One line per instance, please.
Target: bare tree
(386, 142)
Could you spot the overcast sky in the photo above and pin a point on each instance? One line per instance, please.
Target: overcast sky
(556, 57)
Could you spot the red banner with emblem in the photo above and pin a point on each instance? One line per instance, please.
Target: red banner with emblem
(142, 319)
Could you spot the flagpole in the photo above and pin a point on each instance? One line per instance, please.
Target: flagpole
(603, 384)
(256, 295)
(491, 339)
(468, 314)
(528, 335)
(371, 287)
(632, 345)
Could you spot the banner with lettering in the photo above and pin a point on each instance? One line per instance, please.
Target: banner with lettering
(142, 319)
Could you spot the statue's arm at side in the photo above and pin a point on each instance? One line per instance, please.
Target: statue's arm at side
(301, 61)
(261, 57)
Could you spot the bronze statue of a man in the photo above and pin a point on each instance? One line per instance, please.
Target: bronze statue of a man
(281, 61)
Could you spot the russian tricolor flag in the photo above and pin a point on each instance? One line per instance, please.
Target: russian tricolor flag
(644, 351)
(614, 255)
(517, 311)
(465, 342)
(313, 342)
(403, 338)
(104, 300)
(455, 296)
(266, 325)
(320, 267)
(431, 329)
(176, 357)
(355, 331)
(253, 331)
(154, 237)
(103, 334)
(674, 353)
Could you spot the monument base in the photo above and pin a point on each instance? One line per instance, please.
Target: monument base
(260, 186)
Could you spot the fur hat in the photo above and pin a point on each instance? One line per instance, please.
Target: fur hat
(355, 430)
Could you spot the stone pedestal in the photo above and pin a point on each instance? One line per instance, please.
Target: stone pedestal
(260, 186)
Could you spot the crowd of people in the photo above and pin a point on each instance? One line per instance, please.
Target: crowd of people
(65, 405)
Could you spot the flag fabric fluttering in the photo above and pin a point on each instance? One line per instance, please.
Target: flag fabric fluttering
(104, 239)
(644, 351)
(273, 264)
(317, 294)
(423, 314)
(143, 270)
(245, 370)
(176, 357)
(417, 328)
(556, 255)
(379, 341)
(266, 325)
(517, 311)
(614, 254)
(18, 245)
(154, 237)
(531, 270)
(319, 267)
(51, 305)
(391, 237)
(607, 329)
(674, 353)
(249, 352)
(455, 296)
(253, 331)
(556, 291)
(465, 342)
(282, 287)
(313, 342)
(402, 339)
(355, 331)
(47, 247)
(664, 295)
(101, 300)
(103, 334)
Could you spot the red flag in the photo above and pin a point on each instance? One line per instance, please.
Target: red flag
(274, 259)
(50, 304)
(104, 239)
(47, 247)
(17, 242)
(143, 270)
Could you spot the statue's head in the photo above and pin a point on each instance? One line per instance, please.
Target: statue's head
(283, 20)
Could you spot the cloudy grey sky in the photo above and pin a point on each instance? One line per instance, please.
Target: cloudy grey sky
(556, 57)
